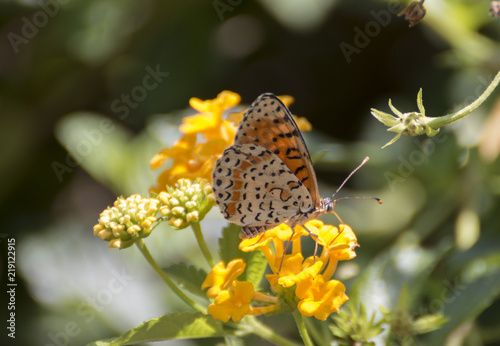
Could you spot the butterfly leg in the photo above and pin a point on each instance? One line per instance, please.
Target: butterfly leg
(335, 238)
(337, 216)
(316, 243)
(286, 247)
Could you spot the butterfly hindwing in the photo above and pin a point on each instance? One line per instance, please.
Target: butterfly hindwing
(253, 187)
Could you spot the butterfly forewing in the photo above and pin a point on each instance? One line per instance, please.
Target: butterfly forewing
(269, 123)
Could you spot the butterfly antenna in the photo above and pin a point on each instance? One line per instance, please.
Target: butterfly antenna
(358, 197)
(365, 160)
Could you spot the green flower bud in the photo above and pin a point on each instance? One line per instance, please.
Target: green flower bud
(410, 124)
(187, 202)
(352, 326)
(129, 219)
(417, 123)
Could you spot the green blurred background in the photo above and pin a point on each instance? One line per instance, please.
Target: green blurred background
(67, 65)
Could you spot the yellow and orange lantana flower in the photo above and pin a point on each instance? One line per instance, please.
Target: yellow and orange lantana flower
(314, 292)
(318, 295)
(232, 297)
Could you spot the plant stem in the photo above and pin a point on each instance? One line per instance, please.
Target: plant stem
(315, 334)
(299, 320)
(201, 243)
(145, 252)
(444, 120)
(257, 328)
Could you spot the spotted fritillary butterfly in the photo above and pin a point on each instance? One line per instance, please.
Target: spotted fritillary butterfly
(266, 178)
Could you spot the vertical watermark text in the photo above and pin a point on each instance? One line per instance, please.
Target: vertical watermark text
(11, 287)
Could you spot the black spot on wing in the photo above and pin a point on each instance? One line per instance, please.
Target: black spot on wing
(299, 169)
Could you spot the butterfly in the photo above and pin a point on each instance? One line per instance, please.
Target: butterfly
(266, 177)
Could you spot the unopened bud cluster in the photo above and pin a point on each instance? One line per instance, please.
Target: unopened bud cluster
(127, 220)
(133, 218)
(186, 203)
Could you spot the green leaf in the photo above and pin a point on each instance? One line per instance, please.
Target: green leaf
(189, 278)
(96, 143)
(387, 271)
(256, 267)
(229, 242)
(429, 323)
(404, 299)
(177, 325)
(255, 260)
(108, 151)
(464, 302)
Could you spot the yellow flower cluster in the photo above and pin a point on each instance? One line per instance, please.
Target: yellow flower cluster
(233, 297)
(186, 203)
(205, 136)
(129, 219)
(314, 293)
